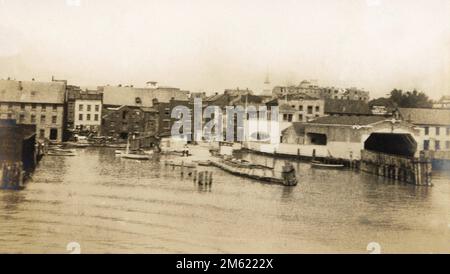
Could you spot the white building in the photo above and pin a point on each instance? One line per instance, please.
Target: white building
(444, 102)
(88, 113)
(434, 126)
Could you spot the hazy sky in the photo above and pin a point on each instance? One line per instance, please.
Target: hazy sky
(210, 45)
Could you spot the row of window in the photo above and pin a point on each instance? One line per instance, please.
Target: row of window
(33, 106)
(437, 131)
(289, 117)
(437, 145)
(43, 118)
(88, 107)
(88, 117)
(310, 108)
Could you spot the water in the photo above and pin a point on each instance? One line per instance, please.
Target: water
(113, 205)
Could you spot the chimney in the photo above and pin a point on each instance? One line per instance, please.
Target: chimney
(32, 79)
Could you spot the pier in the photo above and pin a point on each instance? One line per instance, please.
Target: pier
(19, 153)
(401, 168)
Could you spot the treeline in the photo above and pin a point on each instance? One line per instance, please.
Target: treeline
(408, 99)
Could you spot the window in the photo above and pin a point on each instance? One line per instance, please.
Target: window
(448, 131)
(80, 107)
(95, 117)
(437, 145)
(426, 145)
(9, 116)
(97, 107)
(447, 144)
(22, 118)
(54, 107)
(42, 133)
(88, 107)
(317, 109)
(310, 109)
(42, 119)
(54, 119)
(33, 118)
(43, 108)
(88, 117)
(22, 106)
(300, 108)
(33, 106)
(80, 117)
(10, 106)
(300, 117)
(427, 130)
(438, 131)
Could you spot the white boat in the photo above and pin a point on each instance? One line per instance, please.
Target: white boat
(318, 164)
(127, 154)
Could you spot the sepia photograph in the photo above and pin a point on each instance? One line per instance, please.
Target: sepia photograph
(224, 127)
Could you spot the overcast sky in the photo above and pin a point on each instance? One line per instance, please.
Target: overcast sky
(210, 45)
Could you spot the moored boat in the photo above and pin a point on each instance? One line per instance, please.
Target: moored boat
(318, 164)
(257, 172)
(61, 152)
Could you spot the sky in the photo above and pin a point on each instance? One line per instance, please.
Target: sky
(212, 45)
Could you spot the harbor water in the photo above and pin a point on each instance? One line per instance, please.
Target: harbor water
(106, 204)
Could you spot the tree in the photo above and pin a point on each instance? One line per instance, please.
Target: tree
(410, 99)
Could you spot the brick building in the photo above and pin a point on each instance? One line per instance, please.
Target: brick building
(124, 121)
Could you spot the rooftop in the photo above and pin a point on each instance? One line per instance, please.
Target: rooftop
(349, 107)
(426, 116)
(32, 92)
(348, 120)
(132, 96)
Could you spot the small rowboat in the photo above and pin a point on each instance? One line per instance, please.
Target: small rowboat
(318, 164)
(61, 152)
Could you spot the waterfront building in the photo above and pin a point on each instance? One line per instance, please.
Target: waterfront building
(18, 152)
(72, 93)
(444, 102)
(345, 137)
(125, 121)
(164, 111)
(433, 124)
(294, 134)
(88, 112)
(35, 103)
(297, 108)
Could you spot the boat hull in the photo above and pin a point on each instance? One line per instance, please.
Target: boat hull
(326, 166)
